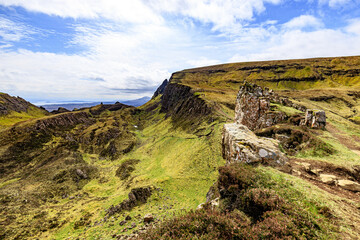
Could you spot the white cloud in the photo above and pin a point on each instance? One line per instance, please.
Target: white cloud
(69, 77)
(335, 3)
(354, 26)
(220, 13)
(133, 11)
(142, 41)
(223, 14)
(304, 21)
(13, 31)
(296, 43)
(203, 61)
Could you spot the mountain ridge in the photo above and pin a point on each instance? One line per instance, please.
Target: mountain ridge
(71, 106)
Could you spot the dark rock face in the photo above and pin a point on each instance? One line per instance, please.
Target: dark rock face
(253, 107)
(314, 119)
(136, 197)
(160, 89)
(179, 100)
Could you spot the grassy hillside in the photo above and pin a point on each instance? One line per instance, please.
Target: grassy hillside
(16, 109)
(60, 174)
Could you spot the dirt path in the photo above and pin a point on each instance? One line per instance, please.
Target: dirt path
(311, 170)
(351, 142)
(349, 208)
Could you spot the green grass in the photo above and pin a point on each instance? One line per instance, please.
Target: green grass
(183, 165)
(3, 184)
(289, 111)
(311, 198)
(15, 117)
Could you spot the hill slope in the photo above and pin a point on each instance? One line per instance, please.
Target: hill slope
(80, 174)
(16, 109)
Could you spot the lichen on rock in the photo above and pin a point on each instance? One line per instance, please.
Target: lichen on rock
(242, 145)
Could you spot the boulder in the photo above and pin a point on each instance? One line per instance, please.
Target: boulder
(148, 218)
(349, 185)
(327, 179)
(242, 145)
(316, 171)
(215, 203)
(306, 166)
(81, 174)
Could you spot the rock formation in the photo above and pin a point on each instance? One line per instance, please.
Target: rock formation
(242, 145)
(252, 111)
(60, 110)
(160, 89)
(253, 107)
(314, 119)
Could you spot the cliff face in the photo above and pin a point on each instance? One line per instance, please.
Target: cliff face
(180, 102)
(160, 90)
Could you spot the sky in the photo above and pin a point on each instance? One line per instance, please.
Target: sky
(103, 50)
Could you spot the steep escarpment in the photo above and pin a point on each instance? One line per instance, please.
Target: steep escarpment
(183, 105)
(160, 90)
(337, 78)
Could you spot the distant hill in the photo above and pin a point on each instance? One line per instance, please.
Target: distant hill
(72, 106)
(16, 109)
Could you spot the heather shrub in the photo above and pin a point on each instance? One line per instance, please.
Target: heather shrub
(249, 209)
(203, 224)
(255, 202)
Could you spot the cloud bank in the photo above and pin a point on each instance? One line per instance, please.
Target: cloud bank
(130, 47)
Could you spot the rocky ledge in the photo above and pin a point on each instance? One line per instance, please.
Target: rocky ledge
(242, 145)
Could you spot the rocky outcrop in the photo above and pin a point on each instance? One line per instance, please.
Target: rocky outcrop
(252, 112)
(242, 145)
(160, 90)
(16, 104)
(349, 185)
(137, 196)
(64, 120)
(327, 179)
(180, 102)
(253, 107)
(314, 119)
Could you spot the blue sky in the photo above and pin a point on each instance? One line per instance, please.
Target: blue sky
(92, 50)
